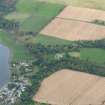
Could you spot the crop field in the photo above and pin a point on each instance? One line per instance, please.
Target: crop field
(96, 4)
(82, 14)
(35, 14)
(74, 30)
(75, 23)
(32, 16)
(93, 54)
(67, 87)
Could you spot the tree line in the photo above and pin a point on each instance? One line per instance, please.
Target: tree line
(8, 25)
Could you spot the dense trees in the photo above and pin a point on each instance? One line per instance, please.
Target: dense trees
(91, 44)
(74, 46)
(7, 6)
(8, 25)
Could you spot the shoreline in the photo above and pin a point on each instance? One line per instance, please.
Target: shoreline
(8, 66)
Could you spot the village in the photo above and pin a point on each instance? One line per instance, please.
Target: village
(12, 91)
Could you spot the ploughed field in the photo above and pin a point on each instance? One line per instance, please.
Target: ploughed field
(82, 14)
(97, 4)
(75, 23)
(67, 87)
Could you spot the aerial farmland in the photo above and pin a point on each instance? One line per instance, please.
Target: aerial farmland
(82, 14)
(52, 52)
(69, 87)
(75, 24)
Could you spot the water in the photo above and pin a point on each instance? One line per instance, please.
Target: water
(4, 65)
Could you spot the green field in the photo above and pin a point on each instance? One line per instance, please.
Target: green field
(18, 52)
(93, 54)
(40, 14)
(96, 4)
(34, 15)
(46, 40)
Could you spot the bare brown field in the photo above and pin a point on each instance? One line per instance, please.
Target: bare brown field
(74, 30)
(84, 14)
(96, 4)
(67, 87)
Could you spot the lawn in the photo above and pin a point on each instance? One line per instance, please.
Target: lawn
(93, 54)
(96, 4)
(40, 14)
(18, 52)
